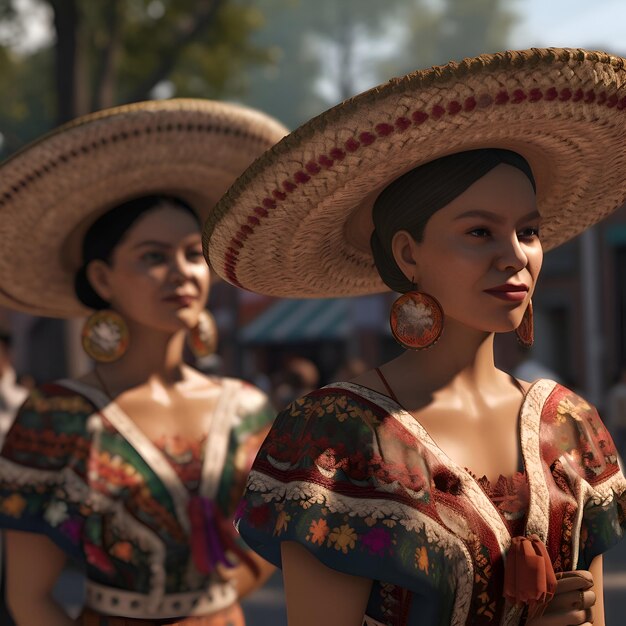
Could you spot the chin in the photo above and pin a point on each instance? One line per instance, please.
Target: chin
(508, 325)
(186, 318)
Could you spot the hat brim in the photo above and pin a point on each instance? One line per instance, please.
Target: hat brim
(54, 189)
(298, 222)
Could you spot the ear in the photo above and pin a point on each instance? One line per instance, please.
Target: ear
(404, 249)
(98, 274)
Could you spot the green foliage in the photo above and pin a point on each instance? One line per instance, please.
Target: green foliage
(26, 104)
(124, 49)
(291, 58)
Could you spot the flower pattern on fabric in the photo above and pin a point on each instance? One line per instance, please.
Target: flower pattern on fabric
(70, 474)
(341, 474)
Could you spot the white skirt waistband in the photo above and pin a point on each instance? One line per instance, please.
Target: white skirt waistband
(111, 601)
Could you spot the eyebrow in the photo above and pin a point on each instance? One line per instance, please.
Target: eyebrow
(152, 242)
(495, 217)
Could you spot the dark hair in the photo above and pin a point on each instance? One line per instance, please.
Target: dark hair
(107, 231)
(410, 201)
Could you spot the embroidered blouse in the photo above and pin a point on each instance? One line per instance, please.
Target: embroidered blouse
(76, 468)
(351, 476)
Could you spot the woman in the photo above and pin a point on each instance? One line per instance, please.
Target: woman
(133, 469)
(436, 489)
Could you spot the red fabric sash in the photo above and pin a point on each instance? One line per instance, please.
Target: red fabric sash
(528, 575)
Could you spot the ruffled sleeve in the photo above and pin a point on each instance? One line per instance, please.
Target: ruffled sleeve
(604, 515)
(43, 466)
(320, 480)
(587, 453)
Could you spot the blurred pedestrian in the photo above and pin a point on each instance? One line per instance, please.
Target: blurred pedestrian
(297, 377)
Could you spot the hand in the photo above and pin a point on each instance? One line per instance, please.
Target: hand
(572, 602)
(227, 574)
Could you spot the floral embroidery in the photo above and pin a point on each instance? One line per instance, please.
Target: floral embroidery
(97, 557)
(68, 472)
(72, 528)
(377, 540)
(122, 550)
(13, 505)
(56, 513)
(340, 472)
(281, 523)
(421, 558)
(319, 531)
(343, 538)
(574, 410)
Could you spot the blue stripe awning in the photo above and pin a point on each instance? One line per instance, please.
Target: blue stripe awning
(291, 321)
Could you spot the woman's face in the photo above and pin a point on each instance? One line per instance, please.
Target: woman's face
(481, 254)
(157, 275)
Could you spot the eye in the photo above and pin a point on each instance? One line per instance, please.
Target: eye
(195, 255)
(480, 233)
(153, 257)
(532, 232)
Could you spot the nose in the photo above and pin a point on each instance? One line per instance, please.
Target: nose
(511, 255)
(180, 268)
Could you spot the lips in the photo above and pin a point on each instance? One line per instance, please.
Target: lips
(181, 300)
(509, 291)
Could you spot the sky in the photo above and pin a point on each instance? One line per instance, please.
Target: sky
(571, 24)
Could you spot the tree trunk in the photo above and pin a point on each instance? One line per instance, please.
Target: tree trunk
(106, 76)
(66, 23)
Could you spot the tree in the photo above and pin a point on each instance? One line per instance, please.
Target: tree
(452, 29)
(118, 51)
(325, 51)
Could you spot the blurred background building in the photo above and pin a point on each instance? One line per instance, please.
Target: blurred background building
(293, 59)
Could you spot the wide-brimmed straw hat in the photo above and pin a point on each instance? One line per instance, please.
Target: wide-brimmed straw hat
(55, 188)
(298, 222)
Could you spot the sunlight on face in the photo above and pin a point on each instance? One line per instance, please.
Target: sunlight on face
(158, 276)
(486, 238)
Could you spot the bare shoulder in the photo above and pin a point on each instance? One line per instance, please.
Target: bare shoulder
(370, 380)
(201, 382)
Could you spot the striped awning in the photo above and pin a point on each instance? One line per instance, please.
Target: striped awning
(292, 321)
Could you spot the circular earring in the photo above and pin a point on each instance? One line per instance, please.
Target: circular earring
(416, 320)
(203, 336)
(105, 336)
(526, 330)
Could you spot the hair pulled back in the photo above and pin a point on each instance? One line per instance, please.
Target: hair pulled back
(410, 201)
(107, 232)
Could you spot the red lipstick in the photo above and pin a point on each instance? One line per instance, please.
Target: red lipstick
(181, 300)
(509, 291)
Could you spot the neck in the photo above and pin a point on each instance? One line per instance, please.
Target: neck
(462, 358)
(152, 356)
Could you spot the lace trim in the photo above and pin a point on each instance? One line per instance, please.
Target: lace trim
(453, 548)
(530, 423)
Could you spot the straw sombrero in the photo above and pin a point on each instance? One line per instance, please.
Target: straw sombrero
(54, 189)
(298, 222)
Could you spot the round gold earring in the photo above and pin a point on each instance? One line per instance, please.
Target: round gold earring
(202, 337)
(416, 320)
(105, 336)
